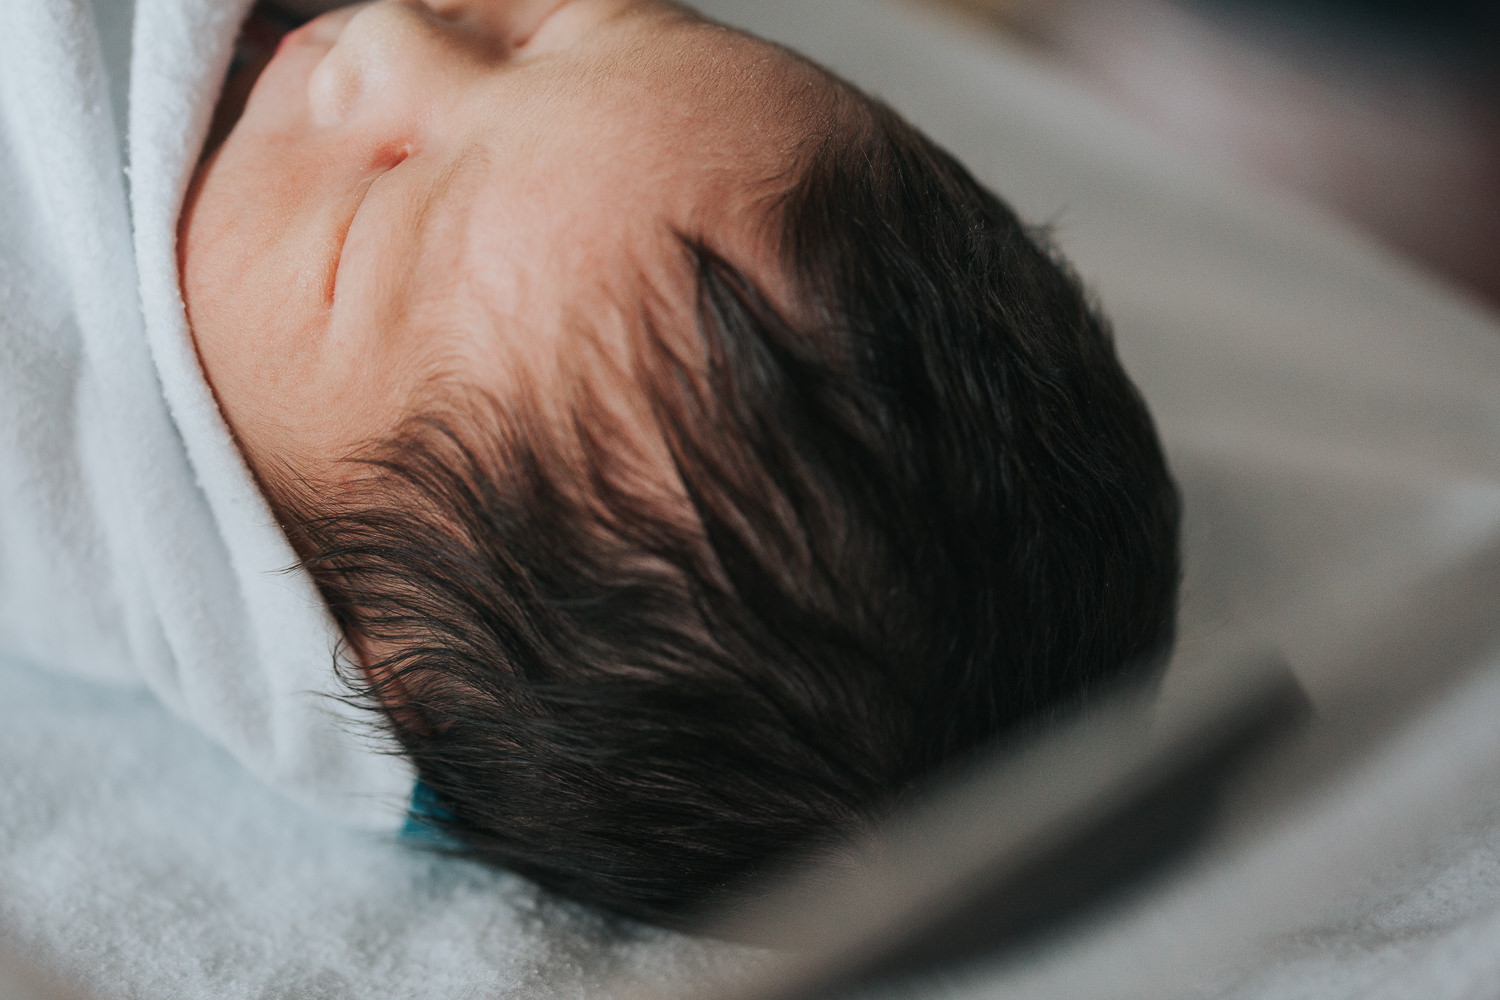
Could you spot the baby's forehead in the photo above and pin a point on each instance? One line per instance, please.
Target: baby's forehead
(586, 229)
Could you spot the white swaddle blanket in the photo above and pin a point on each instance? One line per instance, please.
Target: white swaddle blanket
(134, 544)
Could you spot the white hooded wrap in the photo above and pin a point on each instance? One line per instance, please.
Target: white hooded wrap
(134, 544)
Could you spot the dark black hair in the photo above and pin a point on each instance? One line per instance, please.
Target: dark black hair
(924, 510)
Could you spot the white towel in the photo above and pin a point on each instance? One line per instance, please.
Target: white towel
(134, 544)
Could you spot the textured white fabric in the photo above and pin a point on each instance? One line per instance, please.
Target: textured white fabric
(133, 543)
(139, 861)
(1332, 414)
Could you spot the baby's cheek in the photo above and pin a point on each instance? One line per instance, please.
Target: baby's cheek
(236, 337)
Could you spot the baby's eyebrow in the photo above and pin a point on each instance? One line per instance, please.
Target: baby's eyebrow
(426, 215)
(444, 197)
(434, 198)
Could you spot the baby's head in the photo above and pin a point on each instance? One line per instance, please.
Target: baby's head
(694, 455)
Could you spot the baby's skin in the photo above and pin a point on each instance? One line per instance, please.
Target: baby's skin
(465, 191)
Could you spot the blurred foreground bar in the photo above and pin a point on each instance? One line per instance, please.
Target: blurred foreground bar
(1025, 838)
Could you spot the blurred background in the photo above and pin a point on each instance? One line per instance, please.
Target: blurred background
(1386, 112)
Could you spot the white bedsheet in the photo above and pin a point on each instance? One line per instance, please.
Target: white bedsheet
(1333, 416)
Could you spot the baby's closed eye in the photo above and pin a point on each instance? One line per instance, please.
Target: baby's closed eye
(387, 162)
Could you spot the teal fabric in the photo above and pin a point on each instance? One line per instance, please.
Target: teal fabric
(425, 819)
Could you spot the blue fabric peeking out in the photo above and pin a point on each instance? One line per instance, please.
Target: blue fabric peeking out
(424, 819)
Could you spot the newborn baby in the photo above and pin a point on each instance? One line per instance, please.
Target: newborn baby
(693, 455)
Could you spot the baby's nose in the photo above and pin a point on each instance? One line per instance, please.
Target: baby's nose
(380, 53)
